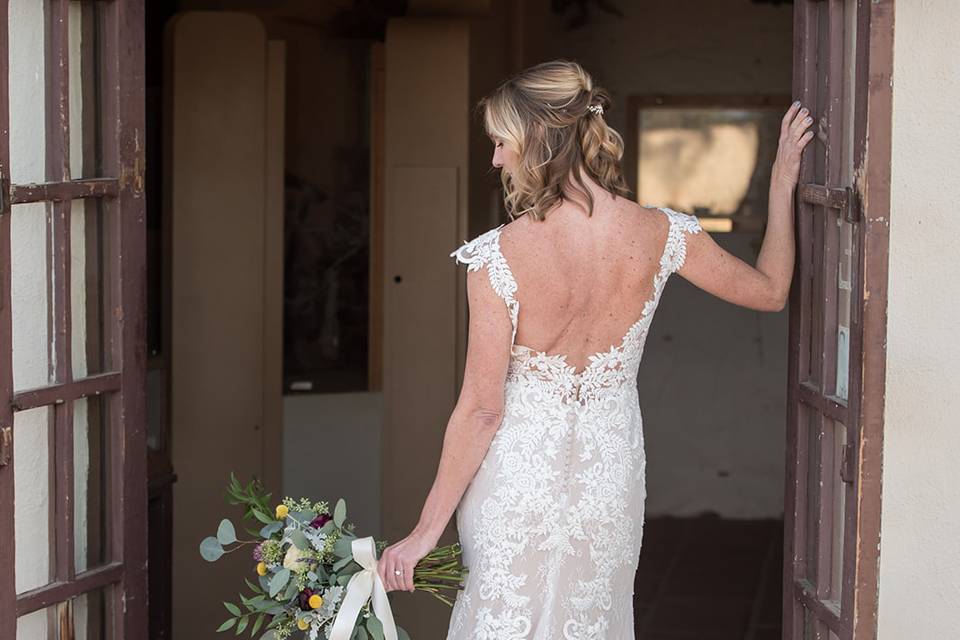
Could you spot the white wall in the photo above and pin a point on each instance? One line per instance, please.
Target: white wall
(919, 553)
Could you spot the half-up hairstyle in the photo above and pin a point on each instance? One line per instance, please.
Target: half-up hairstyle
(545, 113)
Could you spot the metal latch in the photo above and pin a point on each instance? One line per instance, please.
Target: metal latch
(847, 464)
(841, 198)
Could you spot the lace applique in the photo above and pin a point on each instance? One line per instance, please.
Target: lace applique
(680, 225)
(552, 522)
(484, 250)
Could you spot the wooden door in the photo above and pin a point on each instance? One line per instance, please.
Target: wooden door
(837, 321)
(72, 321)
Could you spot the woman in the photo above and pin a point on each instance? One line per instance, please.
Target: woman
(543, 457)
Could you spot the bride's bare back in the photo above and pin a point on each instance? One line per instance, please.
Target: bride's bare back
(582, 281)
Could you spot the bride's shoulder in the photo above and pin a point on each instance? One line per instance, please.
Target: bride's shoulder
(480, 250)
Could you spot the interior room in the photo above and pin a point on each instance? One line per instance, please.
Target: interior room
(310, 166)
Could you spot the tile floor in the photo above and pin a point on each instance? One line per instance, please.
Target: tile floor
(709, 578)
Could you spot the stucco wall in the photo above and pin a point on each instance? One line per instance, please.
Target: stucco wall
(919, 553)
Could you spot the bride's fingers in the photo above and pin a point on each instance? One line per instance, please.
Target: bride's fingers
(801, 123)
(789, 116)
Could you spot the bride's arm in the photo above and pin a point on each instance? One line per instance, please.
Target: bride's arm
(472, 425)
(764, 287)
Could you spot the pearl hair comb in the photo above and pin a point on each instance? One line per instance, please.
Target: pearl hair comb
(596, 108)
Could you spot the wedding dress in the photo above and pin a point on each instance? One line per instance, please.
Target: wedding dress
(551, 524)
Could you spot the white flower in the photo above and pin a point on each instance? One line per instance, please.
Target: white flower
(293, 559)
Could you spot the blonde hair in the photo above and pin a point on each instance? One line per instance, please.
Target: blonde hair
(544, 113)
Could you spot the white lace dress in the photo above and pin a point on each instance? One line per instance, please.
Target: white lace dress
(552, 522)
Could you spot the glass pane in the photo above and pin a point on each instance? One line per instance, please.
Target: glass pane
(847, 244)
(713, 162)
(30, 295)
(844, 300)
(33, 497)
(89, 616)
(81, 618)
(839, 512)
(88, 297)
(85, 156)
(813, 441)
(91, 456)
(27, 85)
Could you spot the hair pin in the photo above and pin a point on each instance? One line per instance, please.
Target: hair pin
(596, 108)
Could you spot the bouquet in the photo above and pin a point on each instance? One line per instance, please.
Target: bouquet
(313, 574)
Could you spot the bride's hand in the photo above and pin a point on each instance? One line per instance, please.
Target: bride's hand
(403, 555)
(793, 138)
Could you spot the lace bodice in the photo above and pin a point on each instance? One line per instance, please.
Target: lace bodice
(552, 522)
(606, 369)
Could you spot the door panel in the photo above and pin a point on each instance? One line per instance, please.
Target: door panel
(839, 295)
(72, 318)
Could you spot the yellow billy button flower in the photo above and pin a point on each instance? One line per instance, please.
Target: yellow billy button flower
(303, 624)
(282, 511)
(261, 568)
(315, 601)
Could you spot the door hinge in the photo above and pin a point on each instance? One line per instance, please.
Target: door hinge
(847, 464)
(842, 199)
(6, 440)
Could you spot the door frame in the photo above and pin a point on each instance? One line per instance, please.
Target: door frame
(867, 201)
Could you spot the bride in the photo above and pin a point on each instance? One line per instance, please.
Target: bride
(543, 457)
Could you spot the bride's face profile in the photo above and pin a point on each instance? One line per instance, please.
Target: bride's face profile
(504, 155)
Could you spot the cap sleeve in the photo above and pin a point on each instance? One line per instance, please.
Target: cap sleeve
(484, 250)
(681, 224)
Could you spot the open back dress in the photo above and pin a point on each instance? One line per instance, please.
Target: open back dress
(552, 522)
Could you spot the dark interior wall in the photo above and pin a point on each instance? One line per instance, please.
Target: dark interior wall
(713, 381)
(675, 48)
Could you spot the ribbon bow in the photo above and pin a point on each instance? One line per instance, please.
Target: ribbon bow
(363, 585)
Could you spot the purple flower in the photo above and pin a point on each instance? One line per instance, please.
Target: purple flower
(320, 520)
(258, 552)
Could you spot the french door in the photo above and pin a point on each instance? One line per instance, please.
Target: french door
(842, 67)
(72, 321)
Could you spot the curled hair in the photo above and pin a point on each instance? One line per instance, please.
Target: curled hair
(544, 112)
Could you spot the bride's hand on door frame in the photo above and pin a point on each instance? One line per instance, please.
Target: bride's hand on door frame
(793, 138)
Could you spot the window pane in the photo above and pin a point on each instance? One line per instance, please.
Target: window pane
(844, 300)
(85, 131)
(88, 295)
(81, 618)
(27, 85)
(30, 295)
(710, 161)
(812, 435)
(839, 503)
(33, 497)
(90, 467)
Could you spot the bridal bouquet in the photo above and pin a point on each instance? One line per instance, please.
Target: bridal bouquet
(314, 574)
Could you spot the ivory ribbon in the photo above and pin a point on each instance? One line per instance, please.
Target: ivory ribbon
(363, 585)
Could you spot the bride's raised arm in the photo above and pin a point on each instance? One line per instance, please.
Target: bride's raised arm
(765, 286)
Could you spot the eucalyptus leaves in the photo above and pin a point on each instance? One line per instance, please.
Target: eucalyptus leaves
(304, 562)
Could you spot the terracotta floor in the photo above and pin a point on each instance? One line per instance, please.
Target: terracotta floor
(707, 578)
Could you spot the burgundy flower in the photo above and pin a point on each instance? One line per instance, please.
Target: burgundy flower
(320, 520)
(303, 600)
